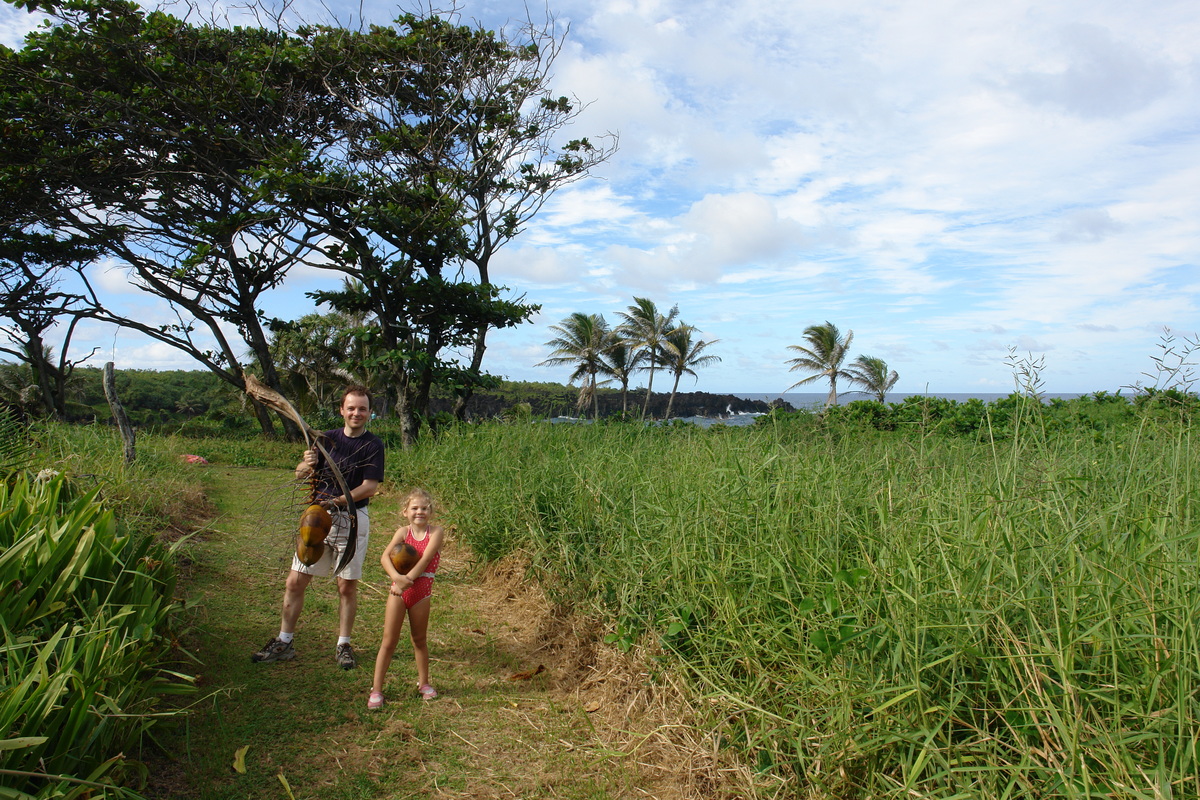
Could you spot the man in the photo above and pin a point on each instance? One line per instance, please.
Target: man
(359, 456)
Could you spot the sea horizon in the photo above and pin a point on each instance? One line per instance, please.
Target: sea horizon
(811, 399)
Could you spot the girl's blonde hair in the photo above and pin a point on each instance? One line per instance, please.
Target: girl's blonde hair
(421, 493)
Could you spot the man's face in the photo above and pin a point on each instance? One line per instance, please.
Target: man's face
(356, 410)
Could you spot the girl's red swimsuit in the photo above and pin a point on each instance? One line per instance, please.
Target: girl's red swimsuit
(423, 586)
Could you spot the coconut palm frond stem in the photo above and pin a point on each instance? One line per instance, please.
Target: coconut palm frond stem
(277, 402)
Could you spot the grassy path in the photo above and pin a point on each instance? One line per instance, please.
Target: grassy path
(488, 736)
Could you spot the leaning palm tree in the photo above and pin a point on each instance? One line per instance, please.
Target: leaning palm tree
(823, 357)
(580, 342)
(619, 361)
(681, 354)
(872, 375)
(645, 329)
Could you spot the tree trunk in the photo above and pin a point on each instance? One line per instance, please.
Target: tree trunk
(649, 389)
(118, 412)
(464, 395)
(263, 415)
(35, 349)
(595, 399)
(262, 352)
(410, 426)
(671, 401)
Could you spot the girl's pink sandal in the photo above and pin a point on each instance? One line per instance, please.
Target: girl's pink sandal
(375, 701)
(427, 691)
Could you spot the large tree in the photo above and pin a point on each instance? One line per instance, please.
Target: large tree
(619, 360)
(646, 329)
(33, 302)
(823, 356)
(208, 162)
(453, 149)
(158, 140)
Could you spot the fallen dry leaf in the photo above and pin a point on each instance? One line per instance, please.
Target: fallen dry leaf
(524, 676)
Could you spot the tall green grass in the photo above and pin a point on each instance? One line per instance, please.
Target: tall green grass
(879, 613)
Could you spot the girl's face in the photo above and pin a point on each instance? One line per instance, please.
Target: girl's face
(418, 511)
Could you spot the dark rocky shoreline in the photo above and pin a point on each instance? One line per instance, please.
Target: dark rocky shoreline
(562, 403)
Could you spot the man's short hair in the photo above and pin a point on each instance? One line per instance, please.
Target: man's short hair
(355, 388)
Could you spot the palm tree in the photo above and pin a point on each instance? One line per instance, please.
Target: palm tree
(872, 375)
(620, 361)
(23, 394)
(645, 329)
(580, 342)
(824, 356)
(681, 354)
(20, 393)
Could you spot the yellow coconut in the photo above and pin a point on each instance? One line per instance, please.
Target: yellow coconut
(315, 523)
(404, 557)
(309, 554)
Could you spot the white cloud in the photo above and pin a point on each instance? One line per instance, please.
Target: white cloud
(1087, 225)
(112, 278)
(15, 24)
(515, 264)
(1094, 75)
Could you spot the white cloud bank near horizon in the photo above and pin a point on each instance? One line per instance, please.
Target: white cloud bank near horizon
(947, 179)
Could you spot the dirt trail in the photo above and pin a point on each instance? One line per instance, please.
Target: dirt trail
(533, 704)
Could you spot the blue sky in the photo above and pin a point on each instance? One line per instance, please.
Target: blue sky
(949, 180)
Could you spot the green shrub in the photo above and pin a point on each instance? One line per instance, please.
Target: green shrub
(85, 611)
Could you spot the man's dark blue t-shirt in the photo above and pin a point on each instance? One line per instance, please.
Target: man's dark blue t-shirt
(359, 459)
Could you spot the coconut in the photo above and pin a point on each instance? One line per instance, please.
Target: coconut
(404, 557)
(315, 524)
(309, 554)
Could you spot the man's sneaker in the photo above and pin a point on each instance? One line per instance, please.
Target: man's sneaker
(274, 650)
(345, 656)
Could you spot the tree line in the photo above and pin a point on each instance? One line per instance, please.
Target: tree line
(211, 162)
(646, 340)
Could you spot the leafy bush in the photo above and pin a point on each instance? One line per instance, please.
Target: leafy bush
(1185, 403)
(866, 413)
(85, 617)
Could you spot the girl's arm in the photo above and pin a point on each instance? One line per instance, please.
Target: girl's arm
(386, 562)
(435, 545)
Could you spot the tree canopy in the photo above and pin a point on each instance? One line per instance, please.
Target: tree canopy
(209, 162)
(873, 375)
(646, 329)
(826, 350)
(581, 341)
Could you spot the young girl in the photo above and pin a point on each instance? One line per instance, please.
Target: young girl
(409, 593)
